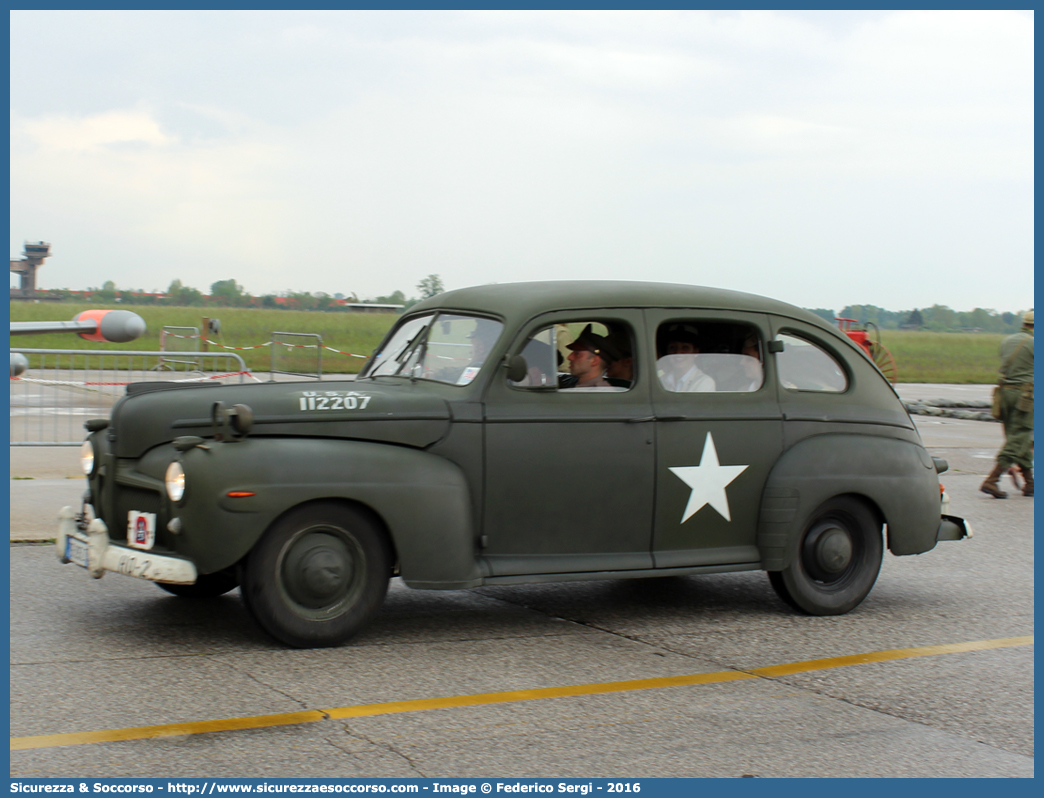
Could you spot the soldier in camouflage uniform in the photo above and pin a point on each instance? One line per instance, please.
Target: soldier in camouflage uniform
(1016, 410)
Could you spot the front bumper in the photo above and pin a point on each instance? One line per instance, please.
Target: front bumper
(953, 528)
(92, 549)
(950, 526)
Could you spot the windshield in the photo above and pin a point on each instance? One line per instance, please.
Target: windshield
(447, 347)
(389, 360)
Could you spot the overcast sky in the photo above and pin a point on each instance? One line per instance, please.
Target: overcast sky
(821, 158)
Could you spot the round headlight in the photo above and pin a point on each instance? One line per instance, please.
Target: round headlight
(175, 481)
(87, 458)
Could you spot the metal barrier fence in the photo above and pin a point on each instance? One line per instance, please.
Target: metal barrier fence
(297, 356)
(62, 388)
(178, 339)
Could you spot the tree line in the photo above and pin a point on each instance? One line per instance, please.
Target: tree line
(229, 293)
(937, 318)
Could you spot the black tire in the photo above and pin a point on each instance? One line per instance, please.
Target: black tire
(837, 562)
(205, 586)
(317, 575)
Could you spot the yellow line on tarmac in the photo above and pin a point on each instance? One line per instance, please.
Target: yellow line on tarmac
(167, 730)
(425, 704)
(885, 656)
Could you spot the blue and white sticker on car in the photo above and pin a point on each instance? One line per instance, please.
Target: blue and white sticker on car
(141, 530)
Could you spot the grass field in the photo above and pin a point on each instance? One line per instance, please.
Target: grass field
(944, 357)
(355, 333)
(920, 356)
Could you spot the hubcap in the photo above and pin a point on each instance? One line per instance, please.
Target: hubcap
(834, 551)
(828, 551)
(318, 570)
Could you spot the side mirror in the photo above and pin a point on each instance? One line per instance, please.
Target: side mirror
(241, 419)
(517, 368)
(230, 424)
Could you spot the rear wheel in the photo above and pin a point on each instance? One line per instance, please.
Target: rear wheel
(837, 562)
(205, 586)
(317, 575)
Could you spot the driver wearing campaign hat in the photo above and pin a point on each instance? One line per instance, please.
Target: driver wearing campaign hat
(590, 355)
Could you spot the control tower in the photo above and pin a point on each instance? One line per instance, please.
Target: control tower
(35, 254)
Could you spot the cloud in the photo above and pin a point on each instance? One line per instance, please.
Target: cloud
(90, 133)
(791, 153)
(207, 204)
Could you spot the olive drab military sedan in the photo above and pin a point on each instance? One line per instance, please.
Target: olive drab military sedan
(505, 434)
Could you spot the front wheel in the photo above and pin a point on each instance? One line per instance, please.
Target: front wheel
(837, 562)
(317, 575)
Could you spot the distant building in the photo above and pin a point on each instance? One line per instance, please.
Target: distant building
(370, 307)
(351, 307)
(36, 252)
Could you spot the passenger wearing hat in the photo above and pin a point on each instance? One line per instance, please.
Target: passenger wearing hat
(590, 356)
(1015, 394)
(679, 371)
(750, 363)
(620, 373)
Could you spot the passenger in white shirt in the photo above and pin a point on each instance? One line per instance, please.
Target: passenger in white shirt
(678, 370)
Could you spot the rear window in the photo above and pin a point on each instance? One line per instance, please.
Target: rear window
(805, 366)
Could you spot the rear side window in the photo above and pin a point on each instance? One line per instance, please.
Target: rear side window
(804, 366)
(703, 356)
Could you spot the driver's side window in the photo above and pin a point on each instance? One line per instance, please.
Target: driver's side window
(581, 355)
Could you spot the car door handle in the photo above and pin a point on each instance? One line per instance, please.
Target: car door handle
(641, 420)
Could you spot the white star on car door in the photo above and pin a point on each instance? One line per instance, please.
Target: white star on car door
(708, 481)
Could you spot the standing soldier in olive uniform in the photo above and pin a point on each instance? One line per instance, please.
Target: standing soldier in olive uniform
(1016, 410)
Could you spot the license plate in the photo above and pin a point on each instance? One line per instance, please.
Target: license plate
(138, 565)
(76, 551)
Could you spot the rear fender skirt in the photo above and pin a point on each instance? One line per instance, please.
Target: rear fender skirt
(896, 478)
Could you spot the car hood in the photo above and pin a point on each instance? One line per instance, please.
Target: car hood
(406, 414)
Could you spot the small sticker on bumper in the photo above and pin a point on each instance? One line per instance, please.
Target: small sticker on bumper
(141, 530)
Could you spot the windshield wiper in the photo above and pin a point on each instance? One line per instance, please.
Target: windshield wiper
(400, 359)
(422, 349)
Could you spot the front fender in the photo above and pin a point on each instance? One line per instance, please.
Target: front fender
(896, 476)
(423, 500)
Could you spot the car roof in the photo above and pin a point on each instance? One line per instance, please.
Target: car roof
(512, 300)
